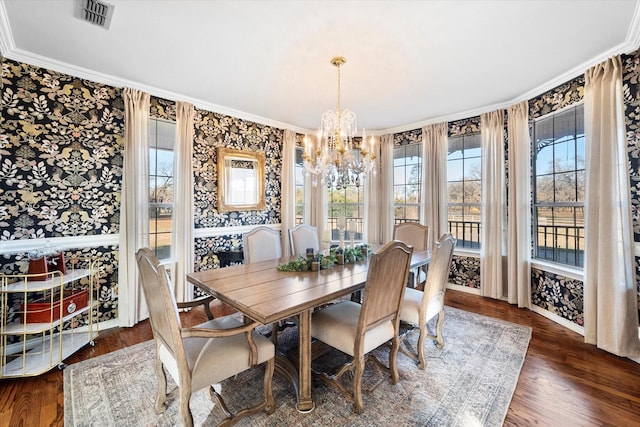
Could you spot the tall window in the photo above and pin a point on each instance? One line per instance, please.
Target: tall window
(558, 183)
(348, 203)
(161, 143)
(299, 183)
(407, 182)
(464, 163)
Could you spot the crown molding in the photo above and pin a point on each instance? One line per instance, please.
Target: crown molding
(88, 74)
(9, 50)
(630, 44)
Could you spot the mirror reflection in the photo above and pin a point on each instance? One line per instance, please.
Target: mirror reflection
(240, 180)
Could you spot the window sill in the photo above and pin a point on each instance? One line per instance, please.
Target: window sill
(561, 270)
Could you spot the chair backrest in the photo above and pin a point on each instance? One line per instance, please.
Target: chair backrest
(163, 309)
(412, 233)
(384, 289)
(261, 244)
(303, 236)
(439, 268)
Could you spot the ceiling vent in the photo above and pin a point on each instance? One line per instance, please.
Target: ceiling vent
(95, 12)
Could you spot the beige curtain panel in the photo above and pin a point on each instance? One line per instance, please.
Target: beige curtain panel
(610, 294)
(434, 188)
(288, 188)
(182, 221)
(519, 217)
(134, 208)
(493, 204)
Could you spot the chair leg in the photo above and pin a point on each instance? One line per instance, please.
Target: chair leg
(358, 405)
(185, 412)
(439, 336)
(161, 396)
(393, 359)
(422, 359)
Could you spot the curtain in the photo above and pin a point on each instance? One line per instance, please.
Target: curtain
(288, 195)
(373, 203)
(434, 181)
(318, 202)
(386, 186)
(610, 294)
(134, 207)
(182, 222)
(492, 202)
(519, 206)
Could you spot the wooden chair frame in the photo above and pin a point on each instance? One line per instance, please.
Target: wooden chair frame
(169, 337)
(434, 289)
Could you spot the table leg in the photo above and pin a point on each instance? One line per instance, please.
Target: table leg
(305, 401)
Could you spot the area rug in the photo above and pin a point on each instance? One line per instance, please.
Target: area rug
(469, 382)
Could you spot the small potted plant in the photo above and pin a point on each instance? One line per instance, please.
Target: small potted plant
(340, 256)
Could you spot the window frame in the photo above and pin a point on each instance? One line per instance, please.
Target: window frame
(420, 182)
(579, 232)
(475, 229)
(153, 205)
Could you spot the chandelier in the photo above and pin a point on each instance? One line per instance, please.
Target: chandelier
(337, 159)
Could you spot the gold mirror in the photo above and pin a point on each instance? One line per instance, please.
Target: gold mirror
(241, 180)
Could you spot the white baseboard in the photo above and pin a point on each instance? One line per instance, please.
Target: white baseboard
(557, 319)
(466, 289)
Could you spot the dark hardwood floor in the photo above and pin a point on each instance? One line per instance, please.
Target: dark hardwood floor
(564, 382)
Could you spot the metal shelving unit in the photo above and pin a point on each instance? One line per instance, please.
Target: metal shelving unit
(42, 346)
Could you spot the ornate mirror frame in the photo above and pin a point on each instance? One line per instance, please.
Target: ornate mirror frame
(241, 180)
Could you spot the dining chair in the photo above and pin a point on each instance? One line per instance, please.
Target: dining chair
(261, 244)
(357, 329)
(203, 355)
(416, 235)
(302, 237)
(419, 307)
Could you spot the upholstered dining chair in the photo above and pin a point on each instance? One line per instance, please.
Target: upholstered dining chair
(261, 244)
(203, 355)
(418, 307)
(416, 235)
(302, 237)
(357, 329)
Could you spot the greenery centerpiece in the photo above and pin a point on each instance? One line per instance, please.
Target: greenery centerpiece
(350, 255)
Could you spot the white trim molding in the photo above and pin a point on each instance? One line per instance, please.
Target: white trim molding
(52, 244)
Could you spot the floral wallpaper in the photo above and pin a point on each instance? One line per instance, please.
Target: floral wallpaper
(557, 98)
(465, 271)
(213, 130)
(61, 140)
(558, 294)
(464, 126)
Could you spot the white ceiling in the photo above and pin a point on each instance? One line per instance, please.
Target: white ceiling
(408, 62)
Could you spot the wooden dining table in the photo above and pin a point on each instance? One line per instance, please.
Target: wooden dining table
(264, 294)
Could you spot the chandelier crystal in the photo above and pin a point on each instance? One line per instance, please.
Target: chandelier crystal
(337, 159)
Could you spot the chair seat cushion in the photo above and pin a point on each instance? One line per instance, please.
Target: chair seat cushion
(213, 360)
(336, 325)
(410, 308)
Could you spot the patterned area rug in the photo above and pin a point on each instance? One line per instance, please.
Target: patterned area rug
(469, 382)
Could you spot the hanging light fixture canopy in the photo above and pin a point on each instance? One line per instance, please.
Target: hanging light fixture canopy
(337, 159)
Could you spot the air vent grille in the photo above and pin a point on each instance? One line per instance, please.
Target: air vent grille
(95, 12)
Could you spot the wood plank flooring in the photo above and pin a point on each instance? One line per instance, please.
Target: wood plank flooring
(564, 382)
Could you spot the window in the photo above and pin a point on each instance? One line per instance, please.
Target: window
(161, 142)
(407, 182)
(348, 203)
(299, 184)
(558, 187)
(464, 171)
